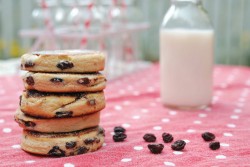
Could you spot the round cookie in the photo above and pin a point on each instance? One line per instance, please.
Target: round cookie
(61, 82)
(63, 144)
(70, 61)
(60, 105)
(55, 125)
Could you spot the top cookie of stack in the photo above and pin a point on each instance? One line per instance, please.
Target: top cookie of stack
(64, 71)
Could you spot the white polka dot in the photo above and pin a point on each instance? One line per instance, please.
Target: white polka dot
(157, 128)
(169, 163)
(178, 152)
(231, 125)
(68, 165)
(240, 104)
(136, 117)
(172, 112)
(191, 131)
(30, 161)
(126, 125)
(207, 109)
(118, 108)
(138, 148)
(2, 121)
(224, 144)
(152, 104)
(126, 160)
(187, 141)
(165, 120)
(242, 100)
(220, 157)
(7, 130)
(237, 110)
(112, 133)
(136, 93)
(228, 134)
(130, 87)
(202, 115)
(121, 92)
(234, 117)
(104, 144)
(144, 110)
(150, 89)
(126, 103)
(16, 146)
(158, 99)
(197, 122)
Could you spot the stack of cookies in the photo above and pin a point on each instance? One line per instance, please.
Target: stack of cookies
(60, 108)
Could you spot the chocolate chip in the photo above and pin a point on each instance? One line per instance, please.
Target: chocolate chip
(149, 137)
(101, 131)
(207, 136)
(30, 80)
(63, 114)
(89, 141)
(29, 124)
(56, 151)
(119, 129)
(82, 150)
(214, 145)
(97, 140)
(28, 64)
(178, 145)
(20, 100)
(83, 81)
(155, 148)
(167, 137)
(118, 137)
(71, 144)
(56, 80)
(36, 54)
(65, 65)
(91, 102)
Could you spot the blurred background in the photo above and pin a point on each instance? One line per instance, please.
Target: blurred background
(126, 30)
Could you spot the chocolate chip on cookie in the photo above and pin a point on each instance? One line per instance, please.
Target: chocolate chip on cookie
(56, 80)
(28, 64)
(89, 141)
(82, 150)
(30, 80)
(83, 81)
(71, 144)
(63, 114)
(92, 102)
(65, 65)
(56, 151)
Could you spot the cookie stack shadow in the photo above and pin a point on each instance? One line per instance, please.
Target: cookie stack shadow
(61, 104)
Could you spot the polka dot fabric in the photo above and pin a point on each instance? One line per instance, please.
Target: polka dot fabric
(133, 102)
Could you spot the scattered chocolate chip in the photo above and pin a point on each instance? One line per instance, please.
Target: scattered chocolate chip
(56, 151)
(149, 137)
(178, 145)
(82, 150)
(29, 124)
(64, 65)
(167, 137)
(71, 144)
(91, 102)
(119, 129)
(83, 81)
(63, 114)
(155, 148)
(97, 140)
(56, 80)
(118, 137)
(28, 64)
(101, 131)
(20, 100)
(30, 80)
(89, 141)
(214, 145)
(207, 136)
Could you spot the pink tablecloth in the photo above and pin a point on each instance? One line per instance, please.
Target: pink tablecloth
(133, 102)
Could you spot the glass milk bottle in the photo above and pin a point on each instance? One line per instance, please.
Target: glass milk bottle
(186, 56)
